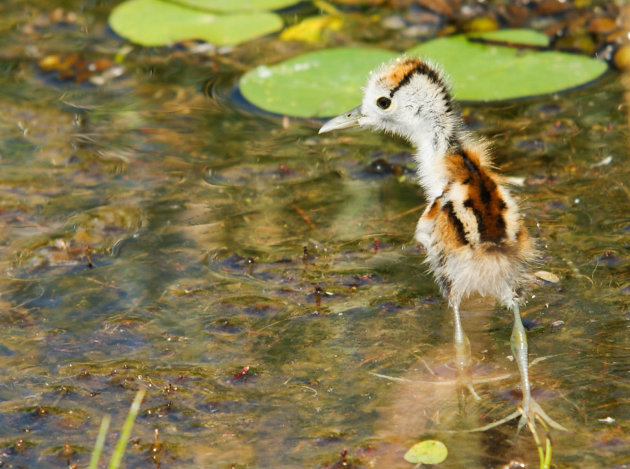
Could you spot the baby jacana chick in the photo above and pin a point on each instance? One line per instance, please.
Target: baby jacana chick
(472, 230)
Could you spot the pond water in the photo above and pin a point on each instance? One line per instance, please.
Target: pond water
(255, 277)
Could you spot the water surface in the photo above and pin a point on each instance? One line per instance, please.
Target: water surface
(157, 235)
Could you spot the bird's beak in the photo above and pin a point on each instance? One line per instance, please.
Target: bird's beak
(344, 121)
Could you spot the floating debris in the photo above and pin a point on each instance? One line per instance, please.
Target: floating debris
(547, 276)
(604, 162)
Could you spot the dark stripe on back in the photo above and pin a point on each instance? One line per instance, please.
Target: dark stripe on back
(481, 226)
(485, 202)
(486, 185)
(443, 281)
(456, 222)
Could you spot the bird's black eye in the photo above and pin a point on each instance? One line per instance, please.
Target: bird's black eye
(383, 102)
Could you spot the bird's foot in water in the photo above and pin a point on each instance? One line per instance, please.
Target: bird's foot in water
(529, 412)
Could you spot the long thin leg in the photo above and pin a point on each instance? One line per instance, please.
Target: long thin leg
(463, 359)
(518, 342)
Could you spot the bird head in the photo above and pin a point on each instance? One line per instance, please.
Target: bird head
(407, 97)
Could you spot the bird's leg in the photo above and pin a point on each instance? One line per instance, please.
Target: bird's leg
(530, 408)
(463, 360)
(518, 341)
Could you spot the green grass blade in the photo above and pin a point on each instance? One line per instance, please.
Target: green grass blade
(547, 463)
(119, 451)
(100, 442)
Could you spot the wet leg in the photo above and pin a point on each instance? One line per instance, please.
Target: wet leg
(463, 359)
(530, 409)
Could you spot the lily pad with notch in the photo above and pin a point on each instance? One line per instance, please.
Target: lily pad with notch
(491, 66)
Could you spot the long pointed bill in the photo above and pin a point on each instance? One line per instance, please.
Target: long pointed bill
(344, 121)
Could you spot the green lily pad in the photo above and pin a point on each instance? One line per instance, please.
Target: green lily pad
(328, 82)
(157, 23)
(238, 5)
(427, 452)
(517, 36)
(315, 84)
(481, 72)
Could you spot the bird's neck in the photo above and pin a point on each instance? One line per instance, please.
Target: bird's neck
(433, 142)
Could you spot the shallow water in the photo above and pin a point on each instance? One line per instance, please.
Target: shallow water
(220, 239)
